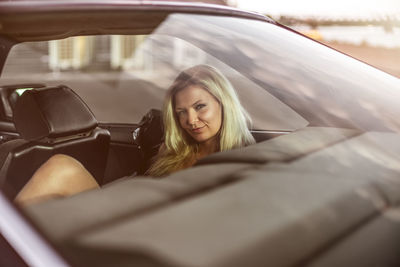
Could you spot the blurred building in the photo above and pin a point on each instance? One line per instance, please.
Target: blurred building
(78, 52)
(71, 53)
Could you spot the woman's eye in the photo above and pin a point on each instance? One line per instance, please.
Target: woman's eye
(180, 113)
(200, 106)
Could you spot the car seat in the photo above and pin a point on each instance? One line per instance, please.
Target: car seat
(148, 137)
(51, 120)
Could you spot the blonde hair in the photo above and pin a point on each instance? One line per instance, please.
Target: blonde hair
(179, 148)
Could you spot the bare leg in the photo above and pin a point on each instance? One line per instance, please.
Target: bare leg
(60, 176)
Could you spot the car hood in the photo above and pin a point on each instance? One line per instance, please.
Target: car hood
(237, 208)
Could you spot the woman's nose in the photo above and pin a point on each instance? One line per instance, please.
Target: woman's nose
(192, 117)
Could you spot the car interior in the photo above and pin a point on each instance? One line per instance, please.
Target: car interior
(49, 121)
(55, 120)
(112, 141)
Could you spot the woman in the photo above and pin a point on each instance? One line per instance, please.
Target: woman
(202, 115)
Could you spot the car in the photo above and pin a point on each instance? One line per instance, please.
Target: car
(321, 187)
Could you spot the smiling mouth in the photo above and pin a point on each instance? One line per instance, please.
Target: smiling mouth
(197, 130)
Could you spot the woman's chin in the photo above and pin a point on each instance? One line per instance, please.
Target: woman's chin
(199, 139)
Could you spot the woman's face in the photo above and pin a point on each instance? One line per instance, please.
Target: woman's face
(199, 113)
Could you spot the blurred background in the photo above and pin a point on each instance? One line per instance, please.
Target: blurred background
(368, 30)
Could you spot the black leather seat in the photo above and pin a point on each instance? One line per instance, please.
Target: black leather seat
(51, 120)
(149, 136)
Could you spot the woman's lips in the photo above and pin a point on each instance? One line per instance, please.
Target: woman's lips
(197, 130)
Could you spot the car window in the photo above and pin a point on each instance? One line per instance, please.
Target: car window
(121, 77)
(284, 80)
(320, 180)
(326, 87)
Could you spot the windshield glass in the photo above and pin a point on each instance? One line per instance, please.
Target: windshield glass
(285, 81)
(324, 162)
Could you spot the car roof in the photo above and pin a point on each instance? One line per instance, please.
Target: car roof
(47, 19)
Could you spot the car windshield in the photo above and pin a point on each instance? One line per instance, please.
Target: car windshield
(322, 169)
(284, 80)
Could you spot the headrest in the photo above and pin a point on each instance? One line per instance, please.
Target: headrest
(52, 112)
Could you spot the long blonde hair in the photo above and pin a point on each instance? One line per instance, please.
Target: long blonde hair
(179, 148)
